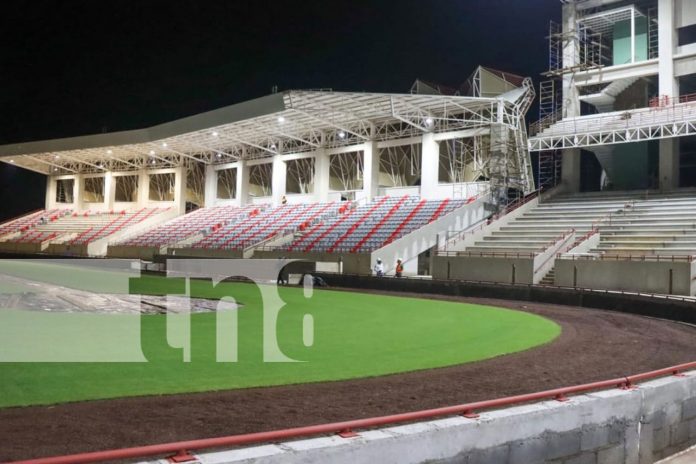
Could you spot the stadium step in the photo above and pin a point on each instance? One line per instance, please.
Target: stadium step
(549, 278)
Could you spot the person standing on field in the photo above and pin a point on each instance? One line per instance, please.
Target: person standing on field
(399, 268)
(379, 268)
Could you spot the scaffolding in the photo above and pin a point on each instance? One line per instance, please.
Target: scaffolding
(653, 44)
(555, 39)
(549, 164)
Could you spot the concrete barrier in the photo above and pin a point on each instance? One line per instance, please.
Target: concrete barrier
(614, 426)
(674, 309)
(667, 277)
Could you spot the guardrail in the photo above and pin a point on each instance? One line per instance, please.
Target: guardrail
(666, 100)
(182, 449)
(629, 257)
(677, 111)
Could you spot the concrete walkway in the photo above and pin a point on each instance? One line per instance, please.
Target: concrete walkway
(685, 457)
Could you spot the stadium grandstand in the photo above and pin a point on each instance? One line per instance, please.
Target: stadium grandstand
(427, 278)
(335, 177)
(439, 177)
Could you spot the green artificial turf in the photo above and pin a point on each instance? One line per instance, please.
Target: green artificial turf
(355, 335)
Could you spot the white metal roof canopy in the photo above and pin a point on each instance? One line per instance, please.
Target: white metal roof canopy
(289, 122)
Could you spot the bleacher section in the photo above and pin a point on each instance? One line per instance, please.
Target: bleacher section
(663, 225)
(24, 223)
(533, 231)
(263, 224)
(197, 222)
(373, 225)
(71, 228)
(628, 224)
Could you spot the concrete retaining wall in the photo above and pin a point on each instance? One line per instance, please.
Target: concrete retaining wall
(664, 277)
(644, 305)
(608, 427)
(509, 270)
(358, 263)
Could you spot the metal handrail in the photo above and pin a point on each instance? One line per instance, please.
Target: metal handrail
(346, 428)
(635, 118)
(630, 257)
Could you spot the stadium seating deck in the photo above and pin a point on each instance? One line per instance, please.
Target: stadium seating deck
(24, 223)
(373, 225)
(189, 225)
(262, 224)
(78, 228)
(627, 224)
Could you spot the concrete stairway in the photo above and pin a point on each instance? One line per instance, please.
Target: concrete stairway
(657, 226)
(629, 224)
(604, 99)
(535, 230)
(549, 278)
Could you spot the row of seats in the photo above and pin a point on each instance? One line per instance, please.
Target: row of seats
(373, 225)
(35, 236)
(197, 222)
(116, 223)
(264, 224)
(81, 228)
(26, 222)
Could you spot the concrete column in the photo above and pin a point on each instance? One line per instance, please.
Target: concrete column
(278, 179)
(109, 191)
(210, 186)
(666, 36)
(180, 189)
(668, 86)
(571, 57)
(50, 192)
(633, 35)
(430, 166)
(242, 193)
(143, 188)
(669, 164)
(570, 169)
(371, 170)
(78, 192)
(321, 176)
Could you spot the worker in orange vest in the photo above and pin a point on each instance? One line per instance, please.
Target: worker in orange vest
(399, 268)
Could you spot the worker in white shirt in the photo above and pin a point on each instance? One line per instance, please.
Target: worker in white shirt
(379, 268)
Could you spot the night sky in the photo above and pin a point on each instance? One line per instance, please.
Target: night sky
(81, 67)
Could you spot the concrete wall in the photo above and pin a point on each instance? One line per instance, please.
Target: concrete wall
(507, 270)
(634, 276)
(673, 309)
(349, 263)
(609, 427)
(133, 252)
